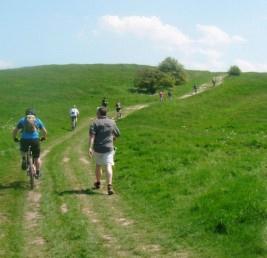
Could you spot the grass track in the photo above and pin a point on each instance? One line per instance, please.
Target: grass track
(99, 222)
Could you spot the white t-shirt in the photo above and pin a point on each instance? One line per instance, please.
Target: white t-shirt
(74, 112)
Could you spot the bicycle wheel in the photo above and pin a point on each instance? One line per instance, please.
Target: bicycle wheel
(31, 180)
(31, 173)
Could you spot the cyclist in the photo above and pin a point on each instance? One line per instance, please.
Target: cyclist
(102, 134)
(195, 88)
(29, 127)
(118, 109)
(213, 82)
(74, 113)
(104, 102)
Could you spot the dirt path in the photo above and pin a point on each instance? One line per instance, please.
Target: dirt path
(121, 235)
(32, 215)
(204, 87)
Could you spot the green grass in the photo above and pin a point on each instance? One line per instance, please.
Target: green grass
(51, 90)
(195, 169)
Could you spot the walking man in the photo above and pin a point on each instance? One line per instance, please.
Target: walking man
(102, 134)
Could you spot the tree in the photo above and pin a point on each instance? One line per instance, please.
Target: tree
(166, 81)
(149, 80)
(234, 71)
(172, 67)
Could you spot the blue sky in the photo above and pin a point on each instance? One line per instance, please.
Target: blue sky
(204, 34)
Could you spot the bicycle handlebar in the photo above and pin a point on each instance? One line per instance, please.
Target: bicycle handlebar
(40, 139)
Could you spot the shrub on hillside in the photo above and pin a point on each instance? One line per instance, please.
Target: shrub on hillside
(149, 80)
(172, 67)
(234, 71)
(168, 74)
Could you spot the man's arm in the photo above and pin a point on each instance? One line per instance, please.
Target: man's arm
(14, 134)
(44, 133)
(116, 131)
(91, 144)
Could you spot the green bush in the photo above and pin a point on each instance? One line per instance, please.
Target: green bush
(234, 71)
(149, 80)
(172, 67)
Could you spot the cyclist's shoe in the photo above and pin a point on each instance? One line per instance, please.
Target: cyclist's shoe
(37, 174)
(23, 164)
(96, 185)
(110, 190)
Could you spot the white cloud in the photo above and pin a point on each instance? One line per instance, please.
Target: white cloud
(205, 51)
(5, 65)
(150, 28)
(248, 66)
(212, 35)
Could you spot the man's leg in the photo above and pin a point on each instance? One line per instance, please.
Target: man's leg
(109, 178)
(98, 173)
(23, 160)
(37, 163)
(109, 174)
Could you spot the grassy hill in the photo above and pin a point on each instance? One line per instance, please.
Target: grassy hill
(51, 90)
(196, 169)
(190, 172)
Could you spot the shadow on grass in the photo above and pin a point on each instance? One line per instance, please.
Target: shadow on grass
(66, 129)
(79, 192)
(16, 185)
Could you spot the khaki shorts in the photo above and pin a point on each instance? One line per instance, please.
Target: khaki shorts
(104, 159)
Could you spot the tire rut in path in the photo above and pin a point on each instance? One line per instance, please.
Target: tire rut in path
(110, 242)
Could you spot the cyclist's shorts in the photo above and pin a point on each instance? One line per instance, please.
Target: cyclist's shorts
(118, 109)
(34, 143)
(73, 118)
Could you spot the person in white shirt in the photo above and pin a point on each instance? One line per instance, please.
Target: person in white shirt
(74, 113)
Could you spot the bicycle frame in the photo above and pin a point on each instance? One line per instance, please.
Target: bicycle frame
(30, 167)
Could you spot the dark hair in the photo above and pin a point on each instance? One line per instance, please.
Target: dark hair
(102, 111)
(30, 111)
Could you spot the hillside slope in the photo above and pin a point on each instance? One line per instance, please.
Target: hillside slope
(195, 169)
(52, 90)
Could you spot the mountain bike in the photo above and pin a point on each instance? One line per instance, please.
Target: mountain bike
(30, 166)
(73, 122)
(31, 171)
(119, 114)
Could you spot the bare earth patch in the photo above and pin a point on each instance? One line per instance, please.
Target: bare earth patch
(84, 160)
(3, 218)
(38, 241)
(124, 222)
(65, 160)
(152, 248)
(64, 208)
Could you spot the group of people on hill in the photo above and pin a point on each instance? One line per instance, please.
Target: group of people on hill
(195, 89)
(102, 134)
(162, 95)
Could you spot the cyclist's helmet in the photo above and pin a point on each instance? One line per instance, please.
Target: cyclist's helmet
(30, 111)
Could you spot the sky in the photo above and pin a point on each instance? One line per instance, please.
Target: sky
(200, 34)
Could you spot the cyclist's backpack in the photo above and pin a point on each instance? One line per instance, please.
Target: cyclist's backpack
(29, 124)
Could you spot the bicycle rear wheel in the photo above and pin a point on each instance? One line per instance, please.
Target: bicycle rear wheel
(31, 179)
(31, 174)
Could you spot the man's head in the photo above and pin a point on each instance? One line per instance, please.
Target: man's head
(30, 111)
(101, 111)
